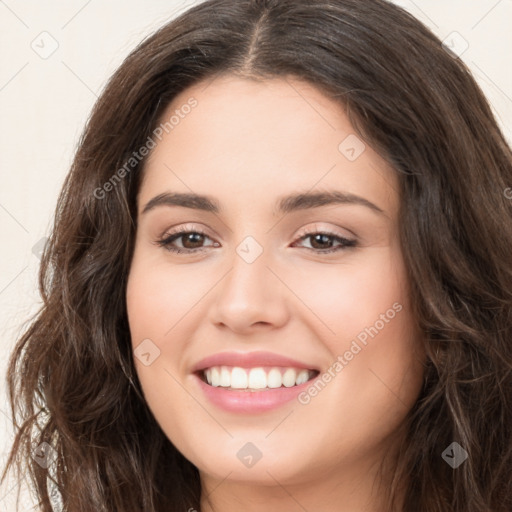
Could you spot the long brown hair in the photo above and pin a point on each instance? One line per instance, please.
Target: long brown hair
(71, 376)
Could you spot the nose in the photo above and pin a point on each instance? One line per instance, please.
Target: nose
(250, 297)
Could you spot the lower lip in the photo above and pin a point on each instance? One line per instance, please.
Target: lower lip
(244, 401)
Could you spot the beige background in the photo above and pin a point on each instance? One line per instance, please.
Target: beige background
(45, 100)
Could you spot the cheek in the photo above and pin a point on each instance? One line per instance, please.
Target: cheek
(376, 371)
(366, 319)
(158, 299)
(351, 297)
(153, 321)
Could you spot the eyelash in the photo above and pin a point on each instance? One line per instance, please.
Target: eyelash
(171, 237)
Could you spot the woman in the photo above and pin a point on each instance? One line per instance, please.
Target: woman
(279, 276)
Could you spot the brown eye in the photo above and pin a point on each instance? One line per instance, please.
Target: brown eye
(323, 243)
(191, 241)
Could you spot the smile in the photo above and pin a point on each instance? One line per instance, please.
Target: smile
(256, 379)
(252, 382)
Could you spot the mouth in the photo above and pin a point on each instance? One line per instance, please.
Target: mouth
(263, 378)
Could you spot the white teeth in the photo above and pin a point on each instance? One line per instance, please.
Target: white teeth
(225, 377)
(302, 376)
(215, 376)
(289, 378)
(274, 379)
(239, 378)
(255, 378)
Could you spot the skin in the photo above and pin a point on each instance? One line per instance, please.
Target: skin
(246, 144)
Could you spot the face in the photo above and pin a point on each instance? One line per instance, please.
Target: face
(269, 315)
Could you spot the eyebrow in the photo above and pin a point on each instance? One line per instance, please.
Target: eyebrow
(286, 204)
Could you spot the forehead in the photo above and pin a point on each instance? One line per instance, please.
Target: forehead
(260, 139)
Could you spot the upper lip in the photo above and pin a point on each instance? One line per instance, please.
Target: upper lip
(249, 360)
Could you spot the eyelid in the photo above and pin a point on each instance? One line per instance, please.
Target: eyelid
(331, 231)
(183, 228)
(186, 228)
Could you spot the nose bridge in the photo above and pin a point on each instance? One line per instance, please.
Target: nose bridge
(248, 283)
(250, 293)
